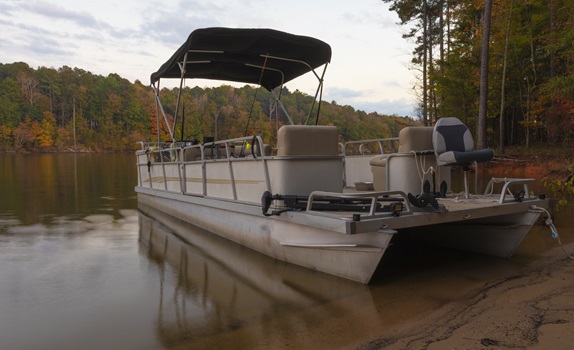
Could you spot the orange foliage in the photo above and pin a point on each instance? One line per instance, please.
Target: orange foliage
(22, 134)
(47, 131)
(164, 132)
(5, 135)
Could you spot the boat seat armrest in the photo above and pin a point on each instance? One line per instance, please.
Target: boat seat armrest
(379, 161)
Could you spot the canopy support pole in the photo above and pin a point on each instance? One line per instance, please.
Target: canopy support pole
(159, 105)
(318, 92)
(182, 68)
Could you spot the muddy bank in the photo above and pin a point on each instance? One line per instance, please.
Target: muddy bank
(537, 166)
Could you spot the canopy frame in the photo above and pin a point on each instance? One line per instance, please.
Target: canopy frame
(238, 57)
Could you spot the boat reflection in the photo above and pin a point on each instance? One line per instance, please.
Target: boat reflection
(210, 286)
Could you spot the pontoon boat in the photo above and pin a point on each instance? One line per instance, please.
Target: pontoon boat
(307, 200)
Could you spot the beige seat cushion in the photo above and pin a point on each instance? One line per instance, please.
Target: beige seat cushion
(192, 154)
(307, 140)
(380, 160)
(415, 138)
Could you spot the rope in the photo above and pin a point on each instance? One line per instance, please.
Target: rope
(498, 182)
(553, 229)
(421, 171)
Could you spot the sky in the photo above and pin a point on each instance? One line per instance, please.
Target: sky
(369, 67)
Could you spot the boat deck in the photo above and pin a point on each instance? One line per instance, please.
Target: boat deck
(451, 209)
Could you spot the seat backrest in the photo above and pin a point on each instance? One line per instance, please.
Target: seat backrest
(307, 140)
(415, 138)
(450, 134)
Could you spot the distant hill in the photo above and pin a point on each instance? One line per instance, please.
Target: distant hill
(48, 109)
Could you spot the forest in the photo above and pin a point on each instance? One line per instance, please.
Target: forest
(69, 109)
(529, 93)
(526, 97)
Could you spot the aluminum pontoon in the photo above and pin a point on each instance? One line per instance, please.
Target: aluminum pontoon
(307, 200)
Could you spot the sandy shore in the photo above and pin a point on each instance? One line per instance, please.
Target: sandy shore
(533, 310)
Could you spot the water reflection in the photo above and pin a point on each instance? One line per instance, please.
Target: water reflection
(38, 188)
(65, 285)
(220, 287)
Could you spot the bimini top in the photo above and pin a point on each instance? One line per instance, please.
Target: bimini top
(266, 57)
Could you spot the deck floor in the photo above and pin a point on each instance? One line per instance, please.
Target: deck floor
(454, 202)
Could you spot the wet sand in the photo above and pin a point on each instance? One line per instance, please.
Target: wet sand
(532, 310)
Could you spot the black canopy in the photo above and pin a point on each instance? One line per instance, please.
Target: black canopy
(239, 54)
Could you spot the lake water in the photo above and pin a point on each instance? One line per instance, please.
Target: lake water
(80, 268)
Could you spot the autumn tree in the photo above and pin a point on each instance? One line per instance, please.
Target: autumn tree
(529, 89)
(71, 109)
(47, 131)
(5, 136)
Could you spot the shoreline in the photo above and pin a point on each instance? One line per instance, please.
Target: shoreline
(537, 166)
(531, 310)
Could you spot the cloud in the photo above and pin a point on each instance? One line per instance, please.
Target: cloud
(133, 38)
(392, 84)
(359, 100)
(6, 8)
(377, 18)
(401, 107)
(30, 42)
(172, 30)
(52, 11)
(42, 45)
(57, 20)
(341, 94)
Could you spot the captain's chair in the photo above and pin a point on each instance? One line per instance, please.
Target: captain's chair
(453, 145)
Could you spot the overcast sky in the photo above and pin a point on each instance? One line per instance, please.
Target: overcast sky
(369, 67)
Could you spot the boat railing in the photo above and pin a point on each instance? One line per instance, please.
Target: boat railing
(357, 156)
(519, 195)
(175, 161)
(145, 145)
(373, 197)
(224, 151)
(161, 152)
(373, 146)
(235, 148)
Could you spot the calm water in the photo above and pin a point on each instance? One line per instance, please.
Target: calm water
(81, 269)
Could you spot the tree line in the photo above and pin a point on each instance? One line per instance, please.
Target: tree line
(67, 109)
(530, 91)
(529, 95)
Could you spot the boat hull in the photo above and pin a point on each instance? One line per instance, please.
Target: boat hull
(320, 247)
(497, 235)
